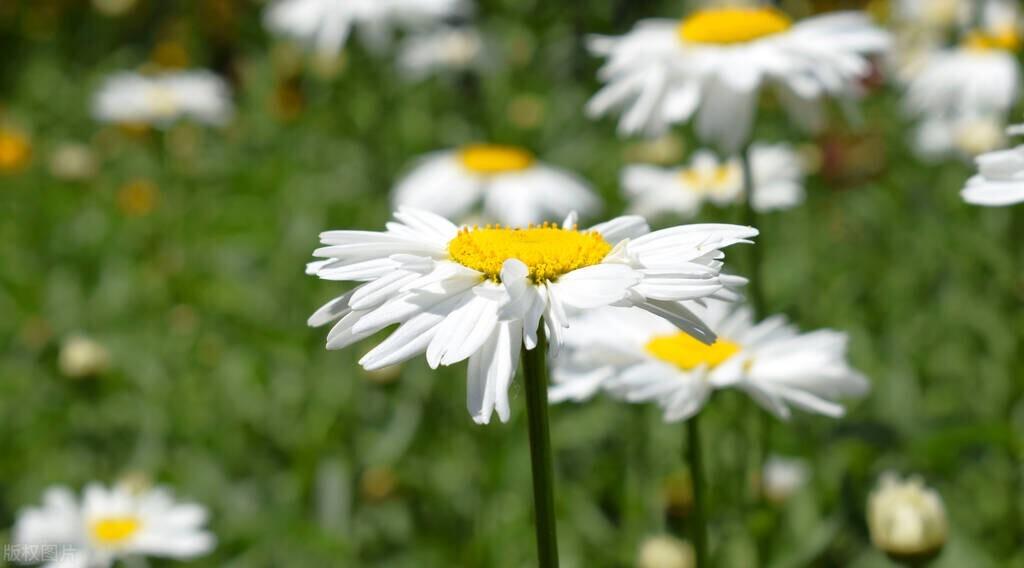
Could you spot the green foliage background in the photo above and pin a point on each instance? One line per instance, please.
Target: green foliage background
(220, 390)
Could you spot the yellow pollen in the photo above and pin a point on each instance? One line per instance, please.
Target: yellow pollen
(704, 181)
(115, 530)
(1006, 40)
(547, 250)
(15, 150)
(687, 353)
(162, 101)
(494, 159)
(732, 25)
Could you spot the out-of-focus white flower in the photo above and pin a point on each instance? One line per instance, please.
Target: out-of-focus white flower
(665, 551)
(440, 50)
(110, 524)
(480, 293)
(777, 173)
(906, 519)
(945, 15)
(782, 477)
(639, 358)
(1000, 178)
(73, 162)
(712, 66)
(113, 8)
(83, 357)
(963, 95)
(161, 99)
(503, 183)
(325, 25)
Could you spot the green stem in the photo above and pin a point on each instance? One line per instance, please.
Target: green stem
(1015, 522)
(536, 379)
(694, 456)
(755, 293)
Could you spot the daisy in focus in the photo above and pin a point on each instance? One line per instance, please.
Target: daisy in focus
(445, 49)
(777, 173)
(159, 100)
(325, 25)
(110, 524)
(963, 95)
(639, 358)
(1000, 177)
(506, 184)
(711, 67)
(480, 293)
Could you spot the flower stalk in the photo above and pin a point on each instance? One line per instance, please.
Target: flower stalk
(535, 374)
(695, 459)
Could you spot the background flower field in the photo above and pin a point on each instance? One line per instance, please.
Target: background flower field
(181, 252)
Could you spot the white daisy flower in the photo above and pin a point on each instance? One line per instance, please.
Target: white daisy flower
(447, 48)
(711, 67)
(506, 184)
(641, 358)
(778, 182)
(326, 24)
(479, 293)
(111, 524)
(964, 94)
(906, 518)
(943, 15)
(1000, 177)
(783, 477)
(163, 98)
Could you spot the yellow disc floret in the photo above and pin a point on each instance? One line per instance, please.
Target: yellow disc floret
(15, 150)
(548, 250)
(709, 181)
(1005, 40)
(114, 531)
(732, 25)
(687, 353)
(494, 159)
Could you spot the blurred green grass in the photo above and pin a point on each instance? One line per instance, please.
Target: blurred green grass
(218, 388)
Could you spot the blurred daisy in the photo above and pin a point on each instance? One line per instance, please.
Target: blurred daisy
(161, 99)
(963, 95)
(111, 524)
(641, 358)
(711, 67)
(777, 173)
(504, 183)
(326, 24)
(782, 477)
(906, 519)
(479, 293)
(944, 15)
(15, 150)
(82, 357)
(445, 49)
(1000, 177)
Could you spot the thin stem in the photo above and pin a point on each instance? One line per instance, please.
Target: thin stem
(536, 383)
(694, 455)
(755, 293)
(1015, 522)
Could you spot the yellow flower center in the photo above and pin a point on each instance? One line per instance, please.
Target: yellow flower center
(687, 353)
(162, 101)
(15, 150)
(114, 531)
(732, 25)
(1005, 40)
(547, 250)
(494, 159)
(707, 181)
